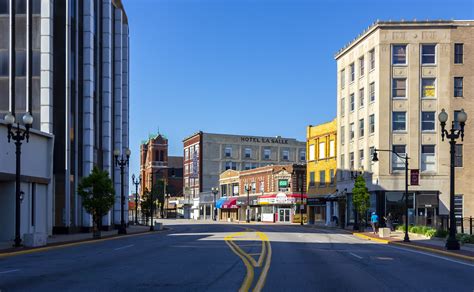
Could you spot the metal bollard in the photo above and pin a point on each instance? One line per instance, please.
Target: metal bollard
(462, 225)
(470, 225)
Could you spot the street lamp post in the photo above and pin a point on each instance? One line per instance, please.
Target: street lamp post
(18, 135)
(247, 189)
(136, 183)
(122, 162)
(300, 184)
(452, 243)
(405, 158)
(214, 191)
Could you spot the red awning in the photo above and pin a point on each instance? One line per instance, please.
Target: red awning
(230, 203)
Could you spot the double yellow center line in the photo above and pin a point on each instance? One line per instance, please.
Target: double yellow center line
(249, 261)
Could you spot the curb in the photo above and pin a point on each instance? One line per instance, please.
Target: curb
(52, 246)
(412, 246)
(434, 250)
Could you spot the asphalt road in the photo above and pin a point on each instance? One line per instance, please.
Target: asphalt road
(228, 257)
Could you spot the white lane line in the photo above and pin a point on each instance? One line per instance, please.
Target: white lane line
(123, 247)
(357, 256)
(431, 255)
(10, 271)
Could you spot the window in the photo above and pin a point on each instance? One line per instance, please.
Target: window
(427, 121)
(322, 150)
(311, 178)
(361, 97)
(428, 54)
(351, 160)
(228, 165)
(248, 166)
(331, 177)
(311, 152)
(372, 59)
(352, 102)
(399, 121)
(428, 88)
(399, 54)
(352, 67)
(228, 152)
(343, 105)
(352, 131)
(262, 186)
(397, 162)
(372, 91)
(332, 148)
(361, 66)
(254, 187)
(458, 208)
(4, 63)
(343, 78)
(372, 124)
(458, 53)
(343, 135)
(457, 126)
(266, 153)
(342, 161)
(361, 128)
(248, 152)
(361, 158)
(458, 155)
(399, 86)
(4, 6)
(322, 177)
(428, 161)
(285, 154)
(303, 155)
(458, 82)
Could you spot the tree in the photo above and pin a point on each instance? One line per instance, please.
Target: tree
(98, 196)
(361, 197)
(159, 194)
(145, 204)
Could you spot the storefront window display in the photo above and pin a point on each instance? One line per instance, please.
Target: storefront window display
(395, 204)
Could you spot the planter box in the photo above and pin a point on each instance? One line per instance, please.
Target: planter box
(35, 239)
(384, 232)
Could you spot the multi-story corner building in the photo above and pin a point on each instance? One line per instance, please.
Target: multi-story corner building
(70, 67)
(155, 164)
(321, 170)
(272, 193)
(393, 81)
(207, 155)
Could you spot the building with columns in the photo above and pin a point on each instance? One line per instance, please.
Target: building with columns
(393, 81)
(71, 68)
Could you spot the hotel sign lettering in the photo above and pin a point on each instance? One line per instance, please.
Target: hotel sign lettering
(264, 140)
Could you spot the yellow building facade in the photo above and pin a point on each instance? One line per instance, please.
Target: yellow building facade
(321, 149)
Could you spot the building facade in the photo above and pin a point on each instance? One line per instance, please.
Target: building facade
(393, 81)
(271, 193)
(207, 155)
(321, 173)
(70, 67)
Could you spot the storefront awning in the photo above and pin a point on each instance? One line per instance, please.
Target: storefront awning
(230, 204)
(221, 202)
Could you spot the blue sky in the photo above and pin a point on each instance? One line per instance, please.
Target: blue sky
(254, 67)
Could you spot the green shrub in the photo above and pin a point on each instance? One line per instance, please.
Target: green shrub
(424, 229)
(465, 238)
(441, 233)
(430, 232)
(415, 229)
(401, 228)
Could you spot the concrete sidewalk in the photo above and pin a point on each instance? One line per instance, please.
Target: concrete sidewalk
(419, 242)
(56, 239)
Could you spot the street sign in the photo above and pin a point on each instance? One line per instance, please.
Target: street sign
(414, 177)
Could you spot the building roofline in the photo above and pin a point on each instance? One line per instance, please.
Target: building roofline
(238, 135)
(118, 4)
(379, 24)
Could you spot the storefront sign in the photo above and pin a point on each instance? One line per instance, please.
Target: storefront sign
(264, 140)
(283, 183)
(414, 177)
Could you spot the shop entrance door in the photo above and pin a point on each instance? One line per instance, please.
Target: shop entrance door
(284, 215)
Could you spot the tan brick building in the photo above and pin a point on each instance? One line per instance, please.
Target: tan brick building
(393, 81)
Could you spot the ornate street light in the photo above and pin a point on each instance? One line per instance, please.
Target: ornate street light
(136, 183)
(214, 191)
(375, 158)
(247, 189)
(122, 162)
(18, 135)
(452, 243)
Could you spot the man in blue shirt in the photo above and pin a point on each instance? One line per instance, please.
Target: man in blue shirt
(374, 220)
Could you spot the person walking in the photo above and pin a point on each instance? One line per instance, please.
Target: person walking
(388, 221)
(374, 220)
